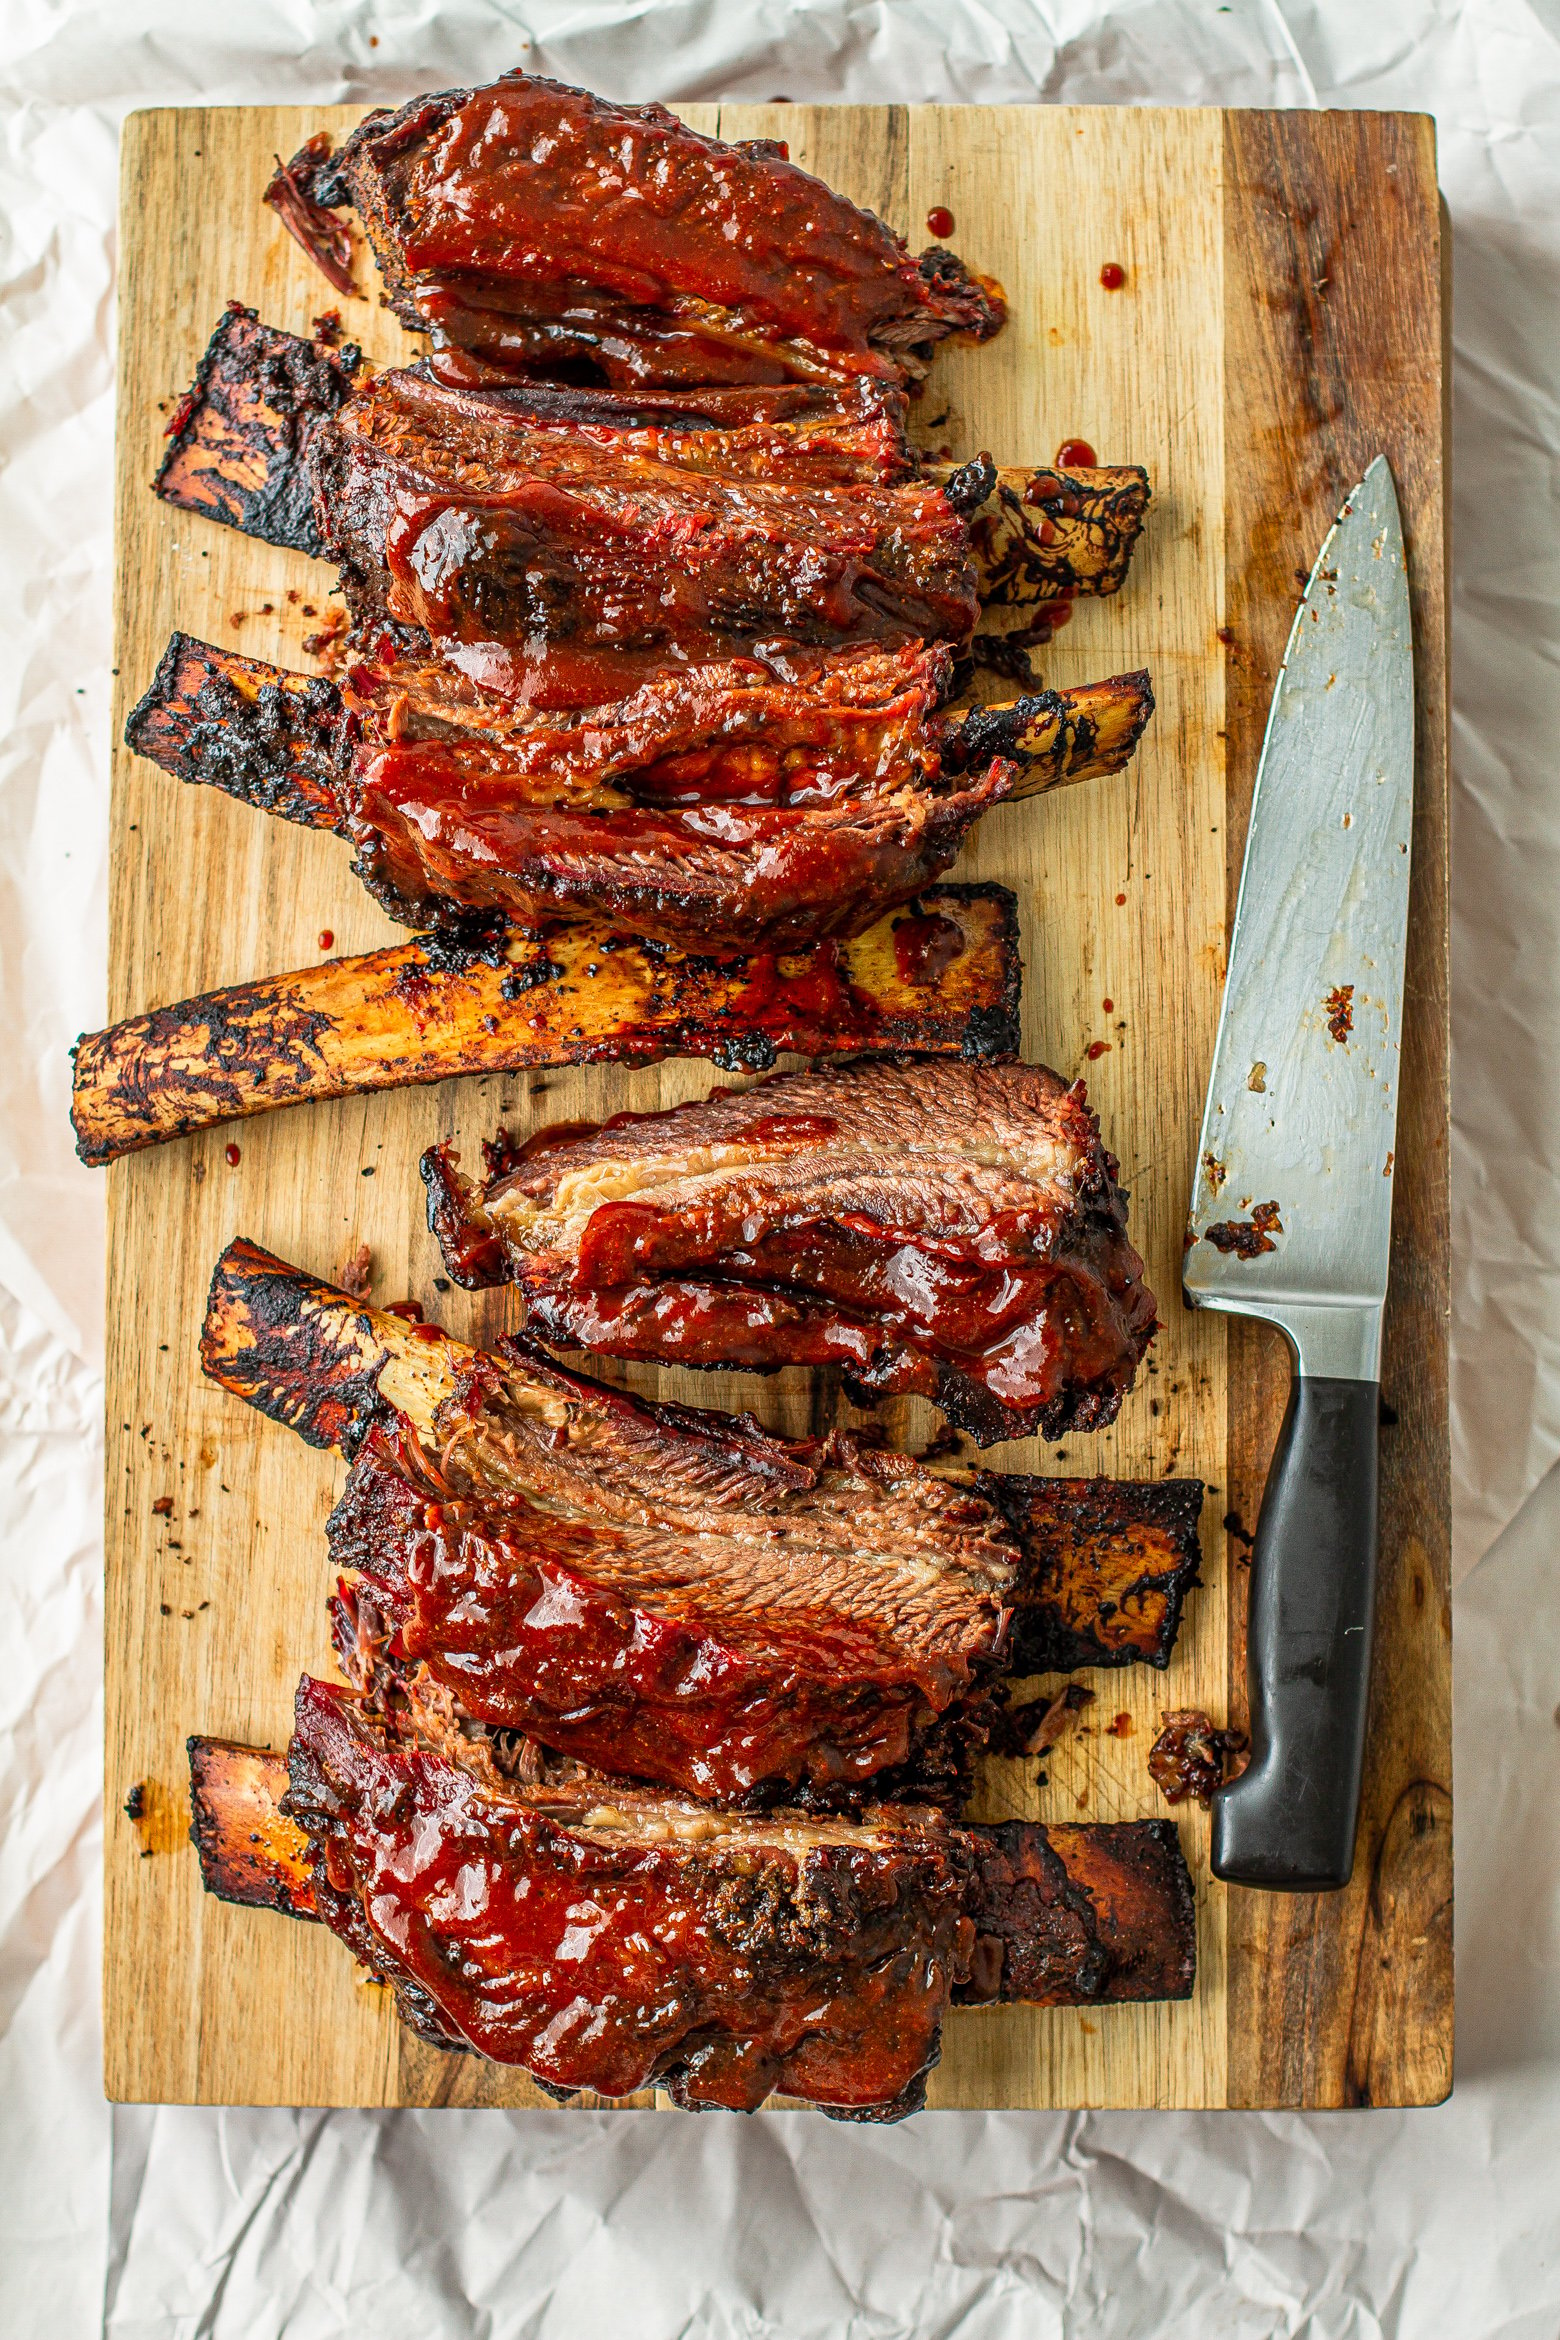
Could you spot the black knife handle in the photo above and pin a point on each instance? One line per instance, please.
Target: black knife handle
(1287, 1823)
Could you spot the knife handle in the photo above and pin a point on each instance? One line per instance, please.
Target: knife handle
(1287, 1823)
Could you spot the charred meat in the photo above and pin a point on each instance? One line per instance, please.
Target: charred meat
(243, 453)
(565, 565)
(668, 1593)
(952, 1230)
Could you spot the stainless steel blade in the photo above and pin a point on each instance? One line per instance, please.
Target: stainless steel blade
(1295, 1160)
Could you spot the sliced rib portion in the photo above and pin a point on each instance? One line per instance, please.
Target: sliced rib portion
(722, 1955)
(243, 430)
(949, 1229)
(724, 803)
(535, 229)
(565, 566)
(669, 1593)
(943, 975)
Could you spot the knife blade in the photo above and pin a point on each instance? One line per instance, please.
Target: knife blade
(1291, 1206)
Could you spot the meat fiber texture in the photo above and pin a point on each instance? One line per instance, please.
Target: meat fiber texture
(607, 1938)
(951, 1230)
(668, 1593)
(426, 2226)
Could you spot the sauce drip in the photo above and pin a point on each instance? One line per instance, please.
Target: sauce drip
(1113, 276)
(232, 1157)
(939, 221)
(1076, 455)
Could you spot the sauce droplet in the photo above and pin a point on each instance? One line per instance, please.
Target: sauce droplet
(1076, 455)
(233, 1157)
(1120, 899)
(326, 938)
(1110, 1007)
(1096, 1049)
(1113, 276)
(939, 220)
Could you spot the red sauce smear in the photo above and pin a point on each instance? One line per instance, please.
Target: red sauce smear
(594, 1963)
(1113, 276)
(507, 1613)
(1076, 455)
(926, 947)
(325, 238)
(409, 1311)
(939, 221)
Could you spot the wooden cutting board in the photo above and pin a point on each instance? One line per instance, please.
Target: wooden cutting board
(1280, 323)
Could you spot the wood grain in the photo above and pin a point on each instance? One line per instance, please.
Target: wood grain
(1334, 336)
(216, 1604)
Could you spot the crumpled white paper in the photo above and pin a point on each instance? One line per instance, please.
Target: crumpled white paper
(250, 2224)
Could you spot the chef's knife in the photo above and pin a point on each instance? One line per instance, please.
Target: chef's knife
(1292, 1203)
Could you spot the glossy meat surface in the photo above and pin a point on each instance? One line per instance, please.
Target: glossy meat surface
(709, 1643)
(242, 433)
(677, 1594)
(602, 1935)
(948, 1229)
(606, 1939)
(534, 228)
(564, 565)
(739, 804)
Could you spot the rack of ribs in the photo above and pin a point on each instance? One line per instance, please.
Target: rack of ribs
(675, 1594)
(765, 810)
(532, 228)
(947, 1229)
(611, 1938)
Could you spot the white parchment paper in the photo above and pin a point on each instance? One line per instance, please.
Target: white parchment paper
(990, 2226)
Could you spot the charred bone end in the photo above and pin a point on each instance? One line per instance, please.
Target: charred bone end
(239, 435)
(315, 1359)
(273, 739)
(1056, 737)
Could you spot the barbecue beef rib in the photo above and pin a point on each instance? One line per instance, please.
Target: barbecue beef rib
(954, 1230)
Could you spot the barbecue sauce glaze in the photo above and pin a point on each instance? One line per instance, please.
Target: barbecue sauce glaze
(572, 1941)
